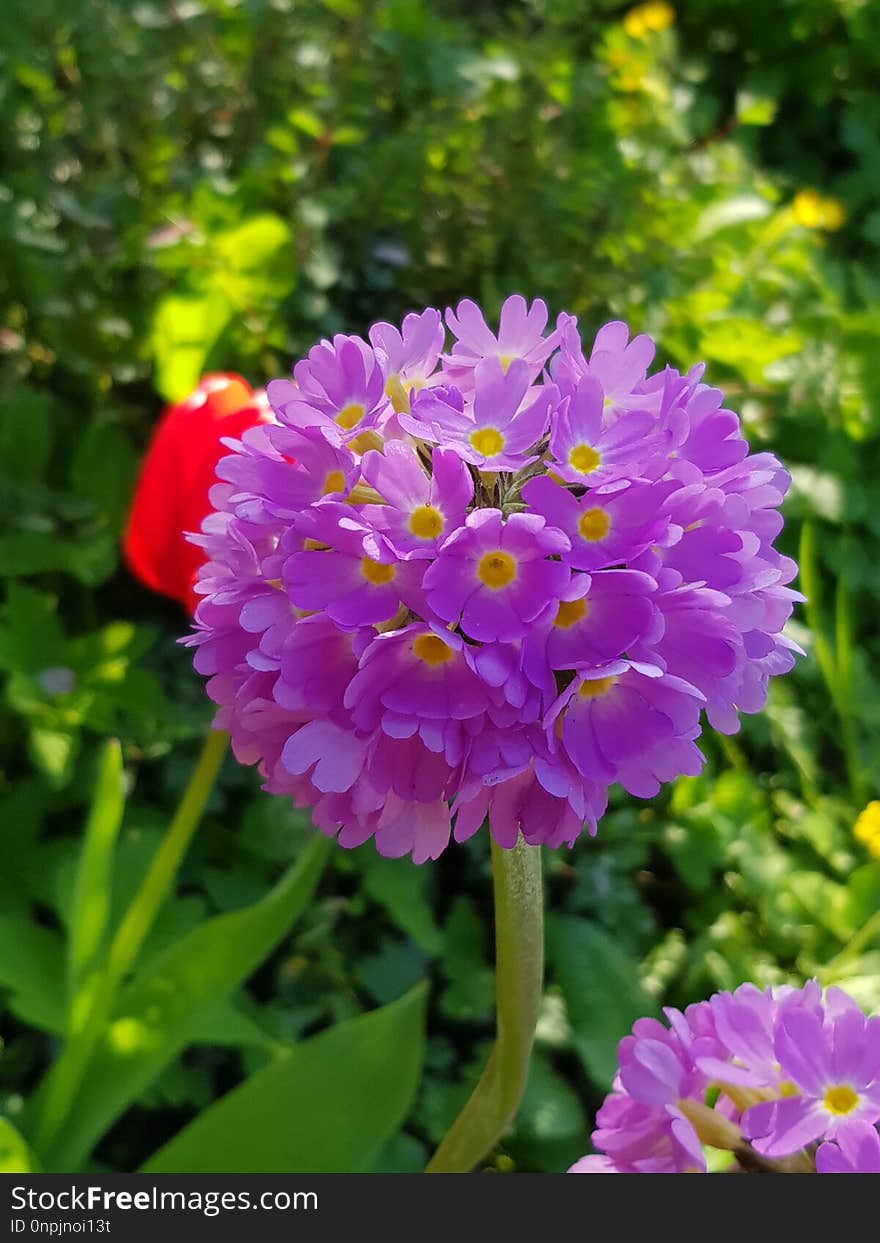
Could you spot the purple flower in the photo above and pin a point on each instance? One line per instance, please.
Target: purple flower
(622, 721)
(495, 577)
(340, 386)
(618, 364)
(785, 1069)
(281, 470)
(745, 1021)
(606, 527)
(409, 354)
(835, 1069)
(443, 590)
(586, 449)
(353, 575)
(415, 677)
(857, 1151)
(419, 512)
(491, 428)
(520, 337)
(600, 617)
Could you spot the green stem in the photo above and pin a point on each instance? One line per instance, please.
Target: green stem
(519, 969)
(853, 947)
(88, 1024)
(156, 885)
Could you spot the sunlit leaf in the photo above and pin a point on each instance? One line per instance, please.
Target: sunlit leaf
(327, 1105)
(163, 1008)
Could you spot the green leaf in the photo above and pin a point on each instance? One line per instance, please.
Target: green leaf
(828, 904)
(184, 331)
(54, 752)
(551, 1125)
(110, 490)
(307, 122)
(93, 883)
(163, 1009)
(696, 852)
(25, 434)
(21, 815)
(254, 245)
(403, 891)
(755, 109)
(326, 1106)
(32, 636)
(32, 968)
(729, 212)
(386, 975)
(471, 991)
(91, 559)
(15, 1155)
(601, 990)
(227, 1025)
(748, 345)
(862, 895)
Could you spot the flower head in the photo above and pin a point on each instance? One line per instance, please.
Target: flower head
(763, 1075)
(487, 582)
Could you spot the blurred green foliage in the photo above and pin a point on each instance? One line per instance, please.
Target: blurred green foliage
(217, 183)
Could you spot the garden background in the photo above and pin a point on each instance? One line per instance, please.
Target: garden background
(215, 184)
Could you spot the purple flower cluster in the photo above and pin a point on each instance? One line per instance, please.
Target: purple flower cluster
(490, 580)
(767, 1076)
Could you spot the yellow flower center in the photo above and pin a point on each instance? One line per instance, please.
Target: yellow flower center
(569, 612)
(583, 459)
(787, 1088)
(841, 1099)
(505, 360)
(375, 572)
(349, 416)
(594, 524)
(335, 482)
(496, 569)
(596, 688)
(431, 650)
(487, 441)
(426, 522)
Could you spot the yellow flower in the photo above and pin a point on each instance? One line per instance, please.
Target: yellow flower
(867, 829)
(647, 18)
(815, 212)
(807, 208)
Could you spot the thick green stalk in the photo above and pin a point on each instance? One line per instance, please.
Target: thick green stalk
(519, 970)
(96, 1002)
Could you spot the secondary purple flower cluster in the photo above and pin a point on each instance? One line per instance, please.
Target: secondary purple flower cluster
(489, 580)
(763, 1075)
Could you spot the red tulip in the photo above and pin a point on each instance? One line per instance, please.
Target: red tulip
(171, 496)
